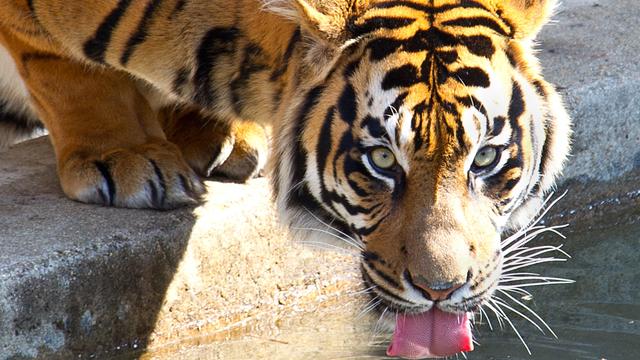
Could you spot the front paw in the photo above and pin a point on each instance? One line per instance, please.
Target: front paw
(152, 175)
(246, 154)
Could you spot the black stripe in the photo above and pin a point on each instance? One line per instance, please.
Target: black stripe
(430, 40)
(462, 145)
(357, 188)
(347, 104)
(30, 4)
(544, 161)
(380, 48)
(395, 105)
(17, 122)
(300, 155)
(510, 184)
(472, 101)
(477, 21)
(217, 41)
(187, 187)
(177, 8)
(498, 125)
(479, 45)
(448, 56)
(27, 57)
(512, 163)
(180, 80)
(464, 4)
(540, 89)
(284, 64)
(417, 124)
(374, 127)
(283, 67)
(351, 68)
(96, 47)
(372, 257)
(160, 196)
(344, 147)
(323, 150)
(385, 277)
(141, 31)
(366, 231)
(379, 22)
(253, 61)
(108, 198)
(403, 76)
(379, 289)
(516, 109)
(472, 76)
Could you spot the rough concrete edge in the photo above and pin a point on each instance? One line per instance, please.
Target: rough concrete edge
(57, 272)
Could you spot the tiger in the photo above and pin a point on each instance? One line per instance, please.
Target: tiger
(421, 131)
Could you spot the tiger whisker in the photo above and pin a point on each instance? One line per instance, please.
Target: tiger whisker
(508, 320)
(543, 209)
(356, 242)
(516, 240)
(331, 247)
(293, 188)
(508, 307)
(369, 306)
(541, 284)
(486, 316)
(346, 241)
(544, 278)
(533, 252)
(498, 315)
(532, 262)
(519, 263)
(377, 329)
(537, 219)
(517, 290)
(531, 311)
(363, 291)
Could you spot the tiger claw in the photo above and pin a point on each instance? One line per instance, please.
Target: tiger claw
(151, 176)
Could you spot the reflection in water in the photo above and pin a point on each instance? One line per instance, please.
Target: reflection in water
(598, 317)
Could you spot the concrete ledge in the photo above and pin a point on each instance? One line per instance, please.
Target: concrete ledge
(590, 52)
(80, 281)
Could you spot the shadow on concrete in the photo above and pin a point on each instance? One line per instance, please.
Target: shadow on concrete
(78, 281)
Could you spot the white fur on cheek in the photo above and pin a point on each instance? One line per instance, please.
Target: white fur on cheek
(475, 128)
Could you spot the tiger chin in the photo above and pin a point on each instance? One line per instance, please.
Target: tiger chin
(418, 131)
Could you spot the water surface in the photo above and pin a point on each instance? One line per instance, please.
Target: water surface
(598, 317)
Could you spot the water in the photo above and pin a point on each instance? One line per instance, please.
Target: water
(598, 317)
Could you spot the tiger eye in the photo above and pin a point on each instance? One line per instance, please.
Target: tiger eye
(485, 157)
(382, 158)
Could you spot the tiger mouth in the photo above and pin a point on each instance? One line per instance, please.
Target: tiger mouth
(422, 330)
(382, 300)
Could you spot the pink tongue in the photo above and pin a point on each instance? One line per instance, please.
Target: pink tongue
(431, 334)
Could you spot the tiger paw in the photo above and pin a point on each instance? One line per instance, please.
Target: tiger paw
(153, 175)
(246, 153)
(236, 150)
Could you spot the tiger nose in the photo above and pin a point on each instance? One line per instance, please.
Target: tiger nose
(436, 290)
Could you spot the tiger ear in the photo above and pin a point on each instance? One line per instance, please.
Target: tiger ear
(324, 24)
(526, 16)
(323, 20)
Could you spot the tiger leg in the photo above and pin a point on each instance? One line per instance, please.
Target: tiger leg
(237, 149)
(109, 144)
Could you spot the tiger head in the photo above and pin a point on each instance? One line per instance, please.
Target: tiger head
(421, 131)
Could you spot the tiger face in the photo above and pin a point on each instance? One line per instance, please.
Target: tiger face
(430, 134)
